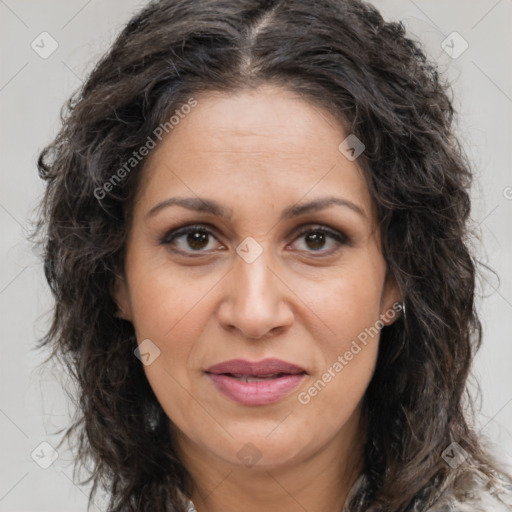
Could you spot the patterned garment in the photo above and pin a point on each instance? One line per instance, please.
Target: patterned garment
(470, 495)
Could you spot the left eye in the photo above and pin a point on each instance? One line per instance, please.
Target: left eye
(198, 238)
(318, 236)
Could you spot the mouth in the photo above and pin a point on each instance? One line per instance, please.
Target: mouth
(266, 368)
(257, 378)
(256, 383)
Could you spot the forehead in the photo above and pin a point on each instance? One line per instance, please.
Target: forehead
(266, 142)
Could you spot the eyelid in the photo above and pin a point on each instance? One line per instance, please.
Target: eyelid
(184, 229)
(335, 233)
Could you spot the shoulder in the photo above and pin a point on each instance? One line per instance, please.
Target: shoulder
(469, 491)
(474, 492)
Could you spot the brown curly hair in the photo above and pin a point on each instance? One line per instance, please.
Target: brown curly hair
(341, 55)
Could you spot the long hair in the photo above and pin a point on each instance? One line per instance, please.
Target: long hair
(342, 56)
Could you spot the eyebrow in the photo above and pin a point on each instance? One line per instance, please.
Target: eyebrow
(209, 206)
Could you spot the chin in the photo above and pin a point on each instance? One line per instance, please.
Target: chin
(262, 451)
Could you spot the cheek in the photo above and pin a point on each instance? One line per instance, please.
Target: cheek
(169, 309)
(349, 359)
(163, 298)
(349, 305)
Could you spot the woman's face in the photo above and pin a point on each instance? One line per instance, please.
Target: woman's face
(254, 283)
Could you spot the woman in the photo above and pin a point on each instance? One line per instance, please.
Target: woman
(254, 228)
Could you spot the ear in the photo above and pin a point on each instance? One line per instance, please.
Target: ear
(122, 298)
(390, 303)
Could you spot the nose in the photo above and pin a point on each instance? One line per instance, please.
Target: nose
(256, 300)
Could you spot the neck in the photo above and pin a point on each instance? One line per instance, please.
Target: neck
(318, 483)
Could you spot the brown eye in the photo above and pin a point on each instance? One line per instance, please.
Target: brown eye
(315, 240)
(197, 239)
(189, 239)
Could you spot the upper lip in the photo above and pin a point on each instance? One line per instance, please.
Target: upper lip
(255, 368)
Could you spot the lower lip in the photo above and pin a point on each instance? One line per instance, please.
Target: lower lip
(257, 392)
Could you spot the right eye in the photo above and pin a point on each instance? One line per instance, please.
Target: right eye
(191, 239)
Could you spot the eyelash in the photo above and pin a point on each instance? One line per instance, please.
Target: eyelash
(172, 235)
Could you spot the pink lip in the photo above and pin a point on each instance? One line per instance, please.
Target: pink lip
(256, 393)
(255, 368)
(260, 392)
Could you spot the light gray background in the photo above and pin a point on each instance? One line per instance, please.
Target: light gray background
(32, 90)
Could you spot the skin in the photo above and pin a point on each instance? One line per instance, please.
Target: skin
(301, 301)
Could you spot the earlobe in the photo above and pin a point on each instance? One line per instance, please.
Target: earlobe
(120, 296)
